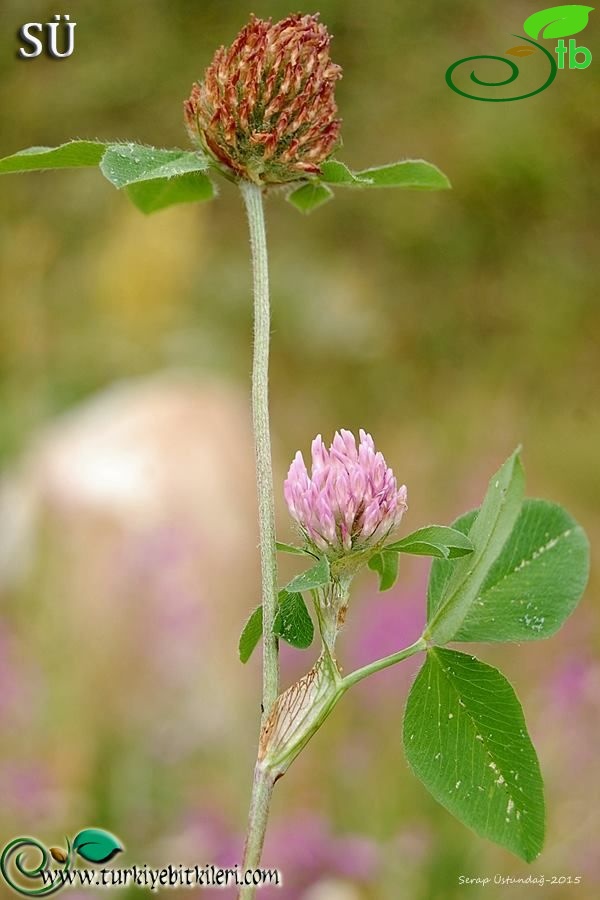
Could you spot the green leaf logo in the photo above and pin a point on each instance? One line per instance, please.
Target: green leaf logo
(557, 21)
(96, 846)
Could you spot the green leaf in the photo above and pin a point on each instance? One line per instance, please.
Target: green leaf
(96, 845)
(415, 174)
(290, 548)
(310, 196)
(535, 583)
(251, 634)
(152, 196)
(386, 565)
(488, 534)
(441, 571)
(335, 172)
(466, 739)
(312, 578)
(154, 179)
(410, 173)
(434, 540)
(71, 155)
(557, 21)
(125, 164)
(293, 622)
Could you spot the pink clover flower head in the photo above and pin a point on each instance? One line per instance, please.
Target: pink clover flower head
(350, 501)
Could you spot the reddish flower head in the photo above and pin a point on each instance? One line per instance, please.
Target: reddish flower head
(266, 110)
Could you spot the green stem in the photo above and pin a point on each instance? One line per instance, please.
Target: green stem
(262, 789)
(262, 440)
(380, 664)
(263, 783)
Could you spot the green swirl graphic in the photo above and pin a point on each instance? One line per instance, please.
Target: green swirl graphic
(18, 846)
(514, 73)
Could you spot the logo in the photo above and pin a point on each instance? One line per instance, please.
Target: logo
(555, 22)
(92, 844)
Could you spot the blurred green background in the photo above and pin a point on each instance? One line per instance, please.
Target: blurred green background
(452, 326)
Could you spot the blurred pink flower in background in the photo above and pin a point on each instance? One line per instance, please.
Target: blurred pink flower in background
(304, 848)
(382, 624)
(571, 681)
(28, 786)
(136, 505)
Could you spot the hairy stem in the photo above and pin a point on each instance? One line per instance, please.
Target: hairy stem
(263, 784)
(262, 789)
(262, 439)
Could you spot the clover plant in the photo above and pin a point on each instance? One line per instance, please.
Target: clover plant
(264, 117)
